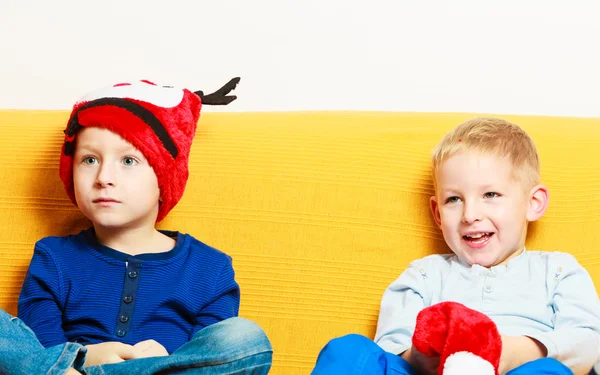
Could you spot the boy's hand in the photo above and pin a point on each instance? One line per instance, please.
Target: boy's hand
(149, 348)
(518, 350)
(107, 352)
(423, 364)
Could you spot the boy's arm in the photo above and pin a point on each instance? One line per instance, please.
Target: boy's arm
(225, 302)
(575, 340)
(400, 305)
(518, 350)
(41, 298)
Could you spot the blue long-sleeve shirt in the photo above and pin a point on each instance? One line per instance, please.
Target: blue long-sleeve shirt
(78, 290)
(544, 295)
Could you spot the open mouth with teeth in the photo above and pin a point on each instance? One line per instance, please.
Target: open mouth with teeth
(478, 237)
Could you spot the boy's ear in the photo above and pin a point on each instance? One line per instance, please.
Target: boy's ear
(538, 202)
(435, 210)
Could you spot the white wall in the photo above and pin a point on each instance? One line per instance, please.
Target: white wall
(511, 56)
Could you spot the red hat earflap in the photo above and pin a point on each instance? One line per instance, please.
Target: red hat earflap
(467, 341)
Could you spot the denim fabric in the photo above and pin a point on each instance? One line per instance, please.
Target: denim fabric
(357, 355)
(22, 354)
(233, 346)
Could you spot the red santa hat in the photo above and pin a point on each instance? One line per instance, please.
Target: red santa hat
(467, 341)
(160, 121)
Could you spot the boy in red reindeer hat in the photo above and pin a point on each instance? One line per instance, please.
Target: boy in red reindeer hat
(492, 307)
(140, 300)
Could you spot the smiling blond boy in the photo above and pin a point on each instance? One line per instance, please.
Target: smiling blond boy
(486, 175)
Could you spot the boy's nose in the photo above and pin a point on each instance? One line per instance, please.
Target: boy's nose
(471, 213)
(106, 176)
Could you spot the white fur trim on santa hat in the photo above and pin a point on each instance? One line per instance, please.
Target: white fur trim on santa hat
(465, 363)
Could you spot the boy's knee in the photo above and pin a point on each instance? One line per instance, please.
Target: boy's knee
(243, 328)
(9, 322)
(350, 343)
(352, 353)
(238, 332)
(352, 346)
(4, 315)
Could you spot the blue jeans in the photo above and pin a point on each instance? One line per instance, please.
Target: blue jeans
(233, 346)
(357, 355)
(22, 354)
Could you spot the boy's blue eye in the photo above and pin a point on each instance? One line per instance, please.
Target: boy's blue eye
(452, 200)
(129, 161)
(491, 195)
(89, 160)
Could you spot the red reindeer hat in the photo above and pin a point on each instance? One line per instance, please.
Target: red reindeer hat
(160, 121)
(467, 341)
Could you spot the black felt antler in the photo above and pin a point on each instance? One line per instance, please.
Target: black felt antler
(220, 96)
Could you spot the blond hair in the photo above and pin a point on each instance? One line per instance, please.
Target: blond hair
(496, 136)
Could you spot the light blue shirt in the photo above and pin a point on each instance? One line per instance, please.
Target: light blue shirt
(548, 296)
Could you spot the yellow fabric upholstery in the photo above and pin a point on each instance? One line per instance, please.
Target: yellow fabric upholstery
(320, 211)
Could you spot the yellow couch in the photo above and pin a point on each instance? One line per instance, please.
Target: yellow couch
(320, 211)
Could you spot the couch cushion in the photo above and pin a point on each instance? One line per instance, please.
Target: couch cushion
(320, 211)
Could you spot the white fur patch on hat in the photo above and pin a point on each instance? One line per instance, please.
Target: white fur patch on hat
(161, 96)
(466, 363)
